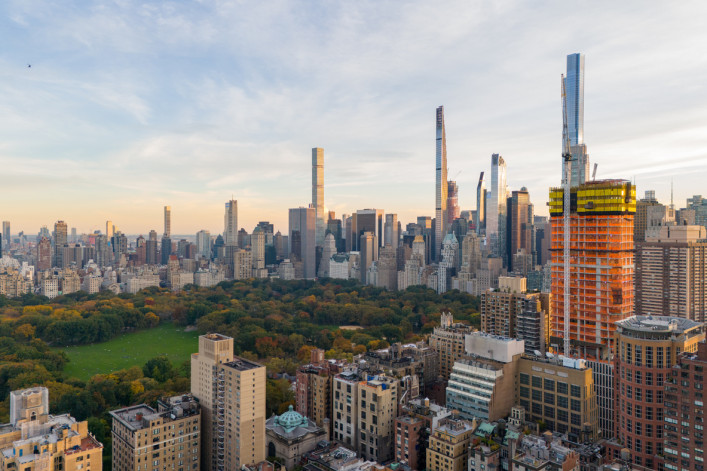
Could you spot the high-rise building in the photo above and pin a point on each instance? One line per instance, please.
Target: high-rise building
(165, 249)
(345, 408)
(110, 229)
(44, 255)
(378, 396)
(203, 244)
(318, 194)
(60, 239)
(6, 234)
(302, 234)
(574, 86)
(647, 348)
(601, 266)
(35, 440)
(231, 392)
(671, 272)
(683, 444)
(448, 341)
(453, 210)
(440, 185)
(168, 221)
(368, 246)
(520, 225)
(176, 425)
(328, 251)
(560, 393)
(480, 220)
(230, 223)
(257, 248)
(496, 207)
(392, 235)
(364, 220)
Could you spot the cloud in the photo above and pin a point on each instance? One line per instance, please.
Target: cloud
(185, 103)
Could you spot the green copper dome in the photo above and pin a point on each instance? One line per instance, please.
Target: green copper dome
(291, 420)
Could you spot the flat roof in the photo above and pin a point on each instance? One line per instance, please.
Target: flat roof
(241, 364)
(667, 324)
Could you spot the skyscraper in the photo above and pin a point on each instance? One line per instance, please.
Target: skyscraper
(318, 193)
(6, 234)
(168, 221)
(391, 234)
(574, 86)
(109, 229)
(601, 265)
(203, 244)
(230, 223)
(60, 240)
(440, 184)
(452, 201)
(496, 207)
(520, 221)
(480, 221)
(302, 229)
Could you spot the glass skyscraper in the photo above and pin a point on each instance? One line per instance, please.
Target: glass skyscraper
(440, 185)
(574, 88)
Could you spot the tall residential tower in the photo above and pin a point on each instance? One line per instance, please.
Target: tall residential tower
(574, 85)
(230, 223)
(168, 221)
(318, 193)
(440, 184)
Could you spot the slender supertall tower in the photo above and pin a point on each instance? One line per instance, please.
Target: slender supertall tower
(168, 221)
(440, 185)
(574, 87)
(318, 193)
(480, 221)
(230, 223)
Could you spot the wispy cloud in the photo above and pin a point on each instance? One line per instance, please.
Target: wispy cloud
(130, 105)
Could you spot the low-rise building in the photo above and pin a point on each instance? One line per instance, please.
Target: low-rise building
(36, 440)
(290, 435)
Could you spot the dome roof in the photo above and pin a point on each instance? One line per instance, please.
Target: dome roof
(291, 420)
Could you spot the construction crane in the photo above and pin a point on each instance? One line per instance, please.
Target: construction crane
(566, 177)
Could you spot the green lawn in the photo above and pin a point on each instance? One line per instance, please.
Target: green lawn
(131, 349)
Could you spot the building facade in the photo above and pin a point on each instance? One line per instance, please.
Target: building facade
(647, 348)
(222, 382)
(145, 438)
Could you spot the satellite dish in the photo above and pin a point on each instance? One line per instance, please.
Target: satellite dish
(537, 353)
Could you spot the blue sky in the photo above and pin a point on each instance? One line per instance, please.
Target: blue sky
(129, 106)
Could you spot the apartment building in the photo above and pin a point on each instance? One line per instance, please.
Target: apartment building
(448, 341)
(231, 392)
(170, 437)
(449, 446)
(36, 440)
(377, 409)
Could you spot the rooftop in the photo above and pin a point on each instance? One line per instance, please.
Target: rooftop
(658, 324)
(241, 364)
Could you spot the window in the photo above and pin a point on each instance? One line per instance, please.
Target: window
(562, 402)
(550, 412)
(562, 415)
(524, 392)
(638, 355)
(562, 388)
(537, 395)
(576, 391)
(549, 385)
(549, 398)
(537, 382)
(524, 379)
(638, 377)
(576, 419)
(576, 405)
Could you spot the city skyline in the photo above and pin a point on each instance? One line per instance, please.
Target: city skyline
(101, 130)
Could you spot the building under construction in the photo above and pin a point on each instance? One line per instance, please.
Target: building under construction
(601, 263)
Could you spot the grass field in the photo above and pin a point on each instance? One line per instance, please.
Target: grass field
(130, 350)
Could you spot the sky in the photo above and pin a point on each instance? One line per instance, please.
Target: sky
(129, 106)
